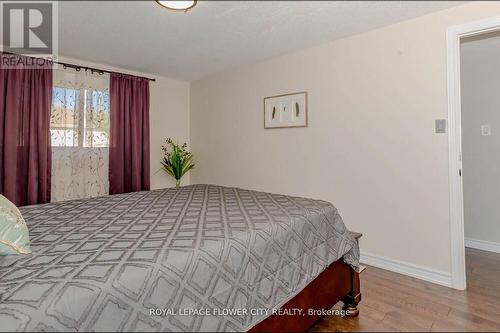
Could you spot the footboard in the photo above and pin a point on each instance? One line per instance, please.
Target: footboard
(339, 282)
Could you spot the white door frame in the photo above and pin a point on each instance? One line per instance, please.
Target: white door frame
(453, 36)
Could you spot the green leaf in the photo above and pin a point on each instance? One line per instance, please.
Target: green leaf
(178, 160)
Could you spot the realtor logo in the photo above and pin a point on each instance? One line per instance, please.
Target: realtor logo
(29, 28)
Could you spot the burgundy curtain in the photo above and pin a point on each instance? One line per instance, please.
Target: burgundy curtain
(129, 134)
(25, 105)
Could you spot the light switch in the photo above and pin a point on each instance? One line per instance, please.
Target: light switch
(486, 130)
(441, 126)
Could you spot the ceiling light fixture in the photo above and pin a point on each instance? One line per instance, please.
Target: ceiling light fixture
(183, 6)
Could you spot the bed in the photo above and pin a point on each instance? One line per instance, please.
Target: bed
(197, 258)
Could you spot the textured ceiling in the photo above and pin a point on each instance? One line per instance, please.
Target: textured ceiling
(215, 35)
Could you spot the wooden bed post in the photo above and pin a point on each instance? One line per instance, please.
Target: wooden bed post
(352, 299)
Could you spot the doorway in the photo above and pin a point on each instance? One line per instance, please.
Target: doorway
(456, 36)
(480, 112)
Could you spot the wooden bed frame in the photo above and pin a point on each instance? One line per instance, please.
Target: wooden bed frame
(339, 282)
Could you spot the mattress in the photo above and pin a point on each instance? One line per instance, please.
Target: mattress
(197, 258)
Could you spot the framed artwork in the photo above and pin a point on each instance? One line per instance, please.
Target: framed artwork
(285, 111)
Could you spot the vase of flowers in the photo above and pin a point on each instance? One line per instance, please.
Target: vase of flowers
(177, 160)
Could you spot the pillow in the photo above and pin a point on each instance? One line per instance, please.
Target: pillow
(14, 234)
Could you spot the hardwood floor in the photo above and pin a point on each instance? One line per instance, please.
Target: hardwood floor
(394, 302)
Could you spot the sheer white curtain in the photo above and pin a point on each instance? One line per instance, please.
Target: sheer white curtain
(80, 135)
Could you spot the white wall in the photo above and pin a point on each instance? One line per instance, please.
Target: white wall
(480, 75)
(169, 117)
(370, 147)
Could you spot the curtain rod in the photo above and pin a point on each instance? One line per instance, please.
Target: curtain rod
(80, 67)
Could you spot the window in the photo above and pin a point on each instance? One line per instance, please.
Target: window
(79, 128)
(80, 117)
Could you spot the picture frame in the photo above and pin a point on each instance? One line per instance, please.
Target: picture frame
(286, 110)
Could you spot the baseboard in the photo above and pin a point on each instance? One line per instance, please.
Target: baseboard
(404, 268)
(482, 245)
